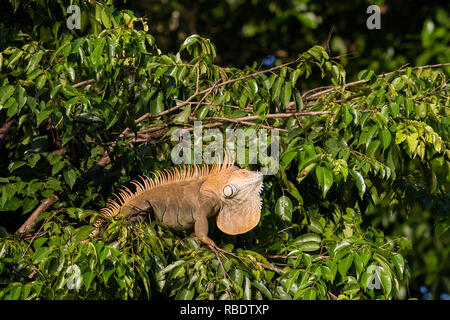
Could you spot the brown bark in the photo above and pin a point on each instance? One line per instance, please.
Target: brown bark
(5, 129)
(29, 224)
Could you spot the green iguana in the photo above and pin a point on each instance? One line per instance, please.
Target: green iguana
(186, 197)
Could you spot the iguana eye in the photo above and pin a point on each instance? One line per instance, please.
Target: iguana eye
(229, 191)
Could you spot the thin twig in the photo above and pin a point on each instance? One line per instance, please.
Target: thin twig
(270, 267)
(150, 115)
(263, 265)
(225, 274)
(278, 115)
(332, 295)
(350, 84)
(197, 84)
(239, 121)
(204, 97)
(83, 83)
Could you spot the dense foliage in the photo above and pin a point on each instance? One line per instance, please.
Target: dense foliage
(410, 34)
(85, 111)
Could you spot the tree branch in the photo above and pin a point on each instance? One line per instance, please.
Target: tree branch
(240, 121)
(29, 223)
(83, 83)
(5, 129)
(208, 90)
(354, 83)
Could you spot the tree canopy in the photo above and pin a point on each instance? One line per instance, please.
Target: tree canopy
(358, 209)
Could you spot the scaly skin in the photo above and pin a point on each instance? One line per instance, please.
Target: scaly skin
(187, 197)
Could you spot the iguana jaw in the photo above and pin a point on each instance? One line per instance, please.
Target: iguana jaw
(241, 211)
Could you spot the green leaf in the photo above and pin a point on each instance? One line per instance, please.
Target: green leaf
(359, 264)
(360, 183)
(327, 273)
(386, 280)
(325, 179)
(12, 204)
(253, 86)
(309, 246)
(105, 18)
(310, 294)
(347, 117)
(372, 130)
(291, 280)
(41, 254)
(88, 276)
(386, 138)
(183, 116)
(5, 93)
(294, 76)
(258, 284)
(15, 58)
(412, 141)
(42, 115)
(318, 53)
(399, 263)
(366, 75)
(157, 105)
(71, 73)
(287, 91)
(34, 61)
(373, 147)
(247, 289)
(298, 100)
(12, 107)
(276, 89)
(378, 98)
(189, 41)
(15, 165)
(21, 96)
(283, 209)
(340, 247)
(39, 144)
(345, 264)
(202, 112)
(57, 167)
(288, 157)
(394, 109)
(400, 137)
(40, 81)
(87, 118)
(185, 294)
(398, 83)
(70, 177)
(98, 50)
(29, 204)
(82, 233)
(308, 237)
(15, 291)
(237, 276)
(315, 225)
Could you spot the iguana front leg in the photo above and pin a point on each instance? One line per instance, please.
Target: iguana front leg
(201, 231)
(207, 208)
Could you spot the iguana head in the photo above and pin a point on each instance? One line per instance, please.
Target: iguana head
(240, 201)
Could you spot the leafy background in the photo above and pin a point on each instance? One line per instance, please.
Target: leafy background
(364, 176)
